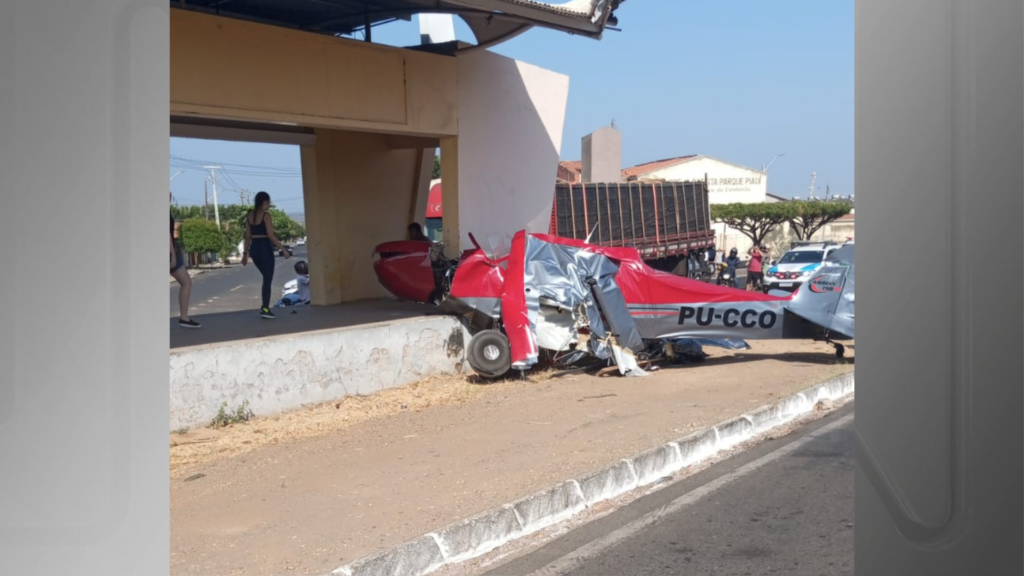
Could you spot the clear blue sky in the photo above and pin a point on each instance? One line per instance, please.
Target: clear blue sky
(741, 80)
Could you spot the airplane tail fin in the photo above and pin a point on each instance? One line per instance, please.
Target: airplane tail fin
(827, 299)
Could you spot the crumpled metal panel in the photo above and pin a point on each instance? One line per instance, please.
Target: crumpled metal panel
(617, 314)
(563, 275)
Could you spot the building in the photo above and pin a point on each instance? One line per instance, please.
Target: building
(727, 182)
(569, 172)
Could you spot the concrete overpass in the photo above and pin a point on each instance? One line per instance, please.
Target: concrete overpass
(367, 117)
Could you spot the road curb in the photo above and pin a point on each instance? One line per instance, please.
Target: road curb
(480, 534)
(192, 273)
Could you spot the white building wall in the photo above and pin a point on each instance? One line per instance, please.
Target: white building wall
(727, 184)
(511, 116)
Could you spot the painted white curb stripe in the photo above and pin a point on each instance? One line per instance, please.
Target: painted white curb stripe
(480, 534)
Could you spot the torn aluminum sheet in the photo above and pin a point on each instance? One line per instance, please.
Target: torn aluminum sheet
(568, 278)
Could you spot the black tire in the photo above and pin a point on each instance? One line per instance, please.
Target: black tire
(840, 351)
(489, 354)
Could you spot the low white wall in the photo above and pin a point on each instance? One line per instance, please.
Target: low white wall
(280, 374)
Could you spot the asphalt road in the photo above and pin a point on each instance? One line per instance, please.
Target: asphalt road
(235, 288)
(783, 507)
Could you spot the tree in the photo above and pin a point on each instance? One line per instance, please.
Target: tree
(182, 213)
(809, 216)
(437, 168)
(286, 228)
(755, 221)
(199, 236)
(232, 222)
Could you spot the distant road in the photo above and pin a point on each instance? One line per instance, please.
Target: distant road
(235, 288)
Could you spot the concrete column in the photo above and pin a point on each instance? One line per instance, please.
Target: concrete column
(358, 192)
(321, 234)
(450, 197)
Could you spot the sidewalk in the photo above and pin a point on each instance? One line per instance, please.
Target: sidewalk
(193, 272)
(353, 481)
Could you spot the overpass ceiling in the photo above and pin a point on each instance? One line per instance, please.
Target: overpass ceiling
(491, 21)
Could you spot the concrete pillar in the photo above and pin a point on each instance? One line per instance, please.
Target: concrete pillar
(321, 232)
(450, 197)
(358, 191)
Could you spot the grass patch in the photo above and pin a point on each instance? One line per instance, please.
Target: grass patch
(225, 417)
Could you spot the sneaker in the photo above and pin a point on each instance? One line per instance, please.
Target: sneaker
(266, 313)
(190, 323)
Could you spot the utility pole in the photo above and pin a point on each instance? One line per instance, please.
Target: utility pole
(206, 198)
(213, 177)
(812, 195)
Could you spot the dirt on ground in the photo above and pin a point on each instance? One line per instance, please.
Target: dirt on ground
(308, 491)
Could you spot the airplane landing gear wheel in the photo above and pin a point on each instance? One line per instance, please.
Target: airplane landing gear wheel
(489, 354)
(840, 350)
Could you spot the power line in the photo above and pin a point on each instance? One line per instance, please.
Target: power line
(230, 166)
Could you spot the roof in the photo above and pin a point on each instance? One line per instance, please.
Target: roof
(649, 167)
(491, 21)
(572, 165)
(643, 169)
(779, 198)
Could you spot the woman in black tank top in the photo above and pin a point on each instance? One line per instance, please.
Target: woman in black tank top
(180, 273)
(259, 245)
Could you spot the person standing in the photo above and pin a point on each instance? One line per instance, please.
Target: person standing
(755, 270)
(259, 242)
(180, 274)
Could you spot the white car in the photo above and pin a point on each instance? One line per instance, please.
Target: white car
(797, 265)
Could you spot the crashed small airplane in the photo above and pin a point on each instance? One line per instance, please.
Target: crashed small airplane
(567, 301)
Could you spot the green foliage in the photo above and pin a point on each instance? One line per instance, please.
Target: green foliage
(809, 216)
(200, 236)
(286, 228)
(755, 221)
(226, 417)
(182, 213)
(437, 168)
(232, 221)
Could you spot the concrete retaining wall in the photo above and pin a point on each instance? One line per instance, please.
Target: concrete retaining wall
(288, 372)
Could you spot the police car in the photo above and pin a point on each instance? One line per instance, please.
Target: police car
(797, 265)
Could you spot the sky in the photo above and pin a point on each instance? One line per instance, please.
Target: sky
(739, 80)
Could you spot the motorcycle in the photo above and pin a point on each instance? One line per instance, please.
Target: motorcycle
(725, 278)
(290, 291)
(290, 296)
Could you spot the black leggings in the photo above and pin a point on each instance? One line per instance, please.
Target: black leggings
(262, 254)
